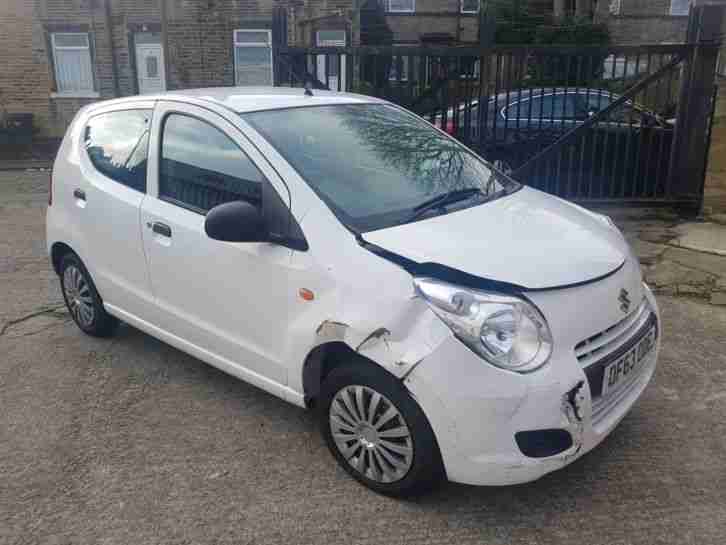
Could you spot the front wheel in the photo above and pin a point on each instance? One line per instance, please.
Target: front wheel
(377, 432)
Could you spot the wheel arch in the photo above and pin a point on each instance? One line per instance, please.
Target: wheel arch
(57, 251)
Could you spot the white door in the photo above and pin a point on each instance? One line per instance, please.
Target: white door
(330, 69)
(229, 300)
(150, 68)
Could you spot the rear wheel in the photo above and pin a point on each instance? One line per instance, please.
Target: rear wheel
(82, 299)
(377, 432)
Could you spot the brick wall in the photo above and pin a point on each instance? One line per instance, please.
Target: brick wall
(643, 21)
(434, 16)
(24, 78)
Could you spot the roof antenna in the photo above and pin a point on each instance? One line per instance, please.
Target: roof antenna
(308, 88)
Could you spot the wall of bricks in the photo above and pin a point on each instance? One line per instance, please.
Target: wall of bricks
(643, 21)
(198, 42)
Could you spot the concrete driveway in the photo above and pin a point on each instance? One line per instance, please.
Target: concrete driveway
(129, 441)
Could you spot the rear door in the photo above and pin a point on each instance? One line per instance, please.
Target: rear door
(229, 300)
(113, 163)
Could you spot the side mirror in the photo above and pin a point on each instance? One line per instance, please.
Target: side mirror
(236, 221)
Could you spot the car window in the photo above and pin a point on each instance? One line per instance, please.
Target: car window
(548, 107)
(117, 144)
(201, 167)
(374, 164)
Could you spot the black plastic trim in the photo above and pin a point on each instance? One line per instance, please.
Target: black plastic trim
(543, 443)
(455, 276)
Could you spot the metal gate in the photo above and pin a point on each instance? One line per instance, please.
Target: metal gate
(623, 124)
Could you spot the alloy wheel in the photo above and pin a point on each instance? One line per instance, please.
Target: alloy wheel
(371, 434)
(78, 296)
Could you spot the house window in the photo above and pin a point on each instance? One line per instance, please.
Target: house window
(469, 6)
(680, 7)
(253, 57)
(402, 6)
(72, 61)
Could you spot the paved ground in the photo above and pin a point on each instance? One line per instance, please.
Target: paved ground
(129, 441)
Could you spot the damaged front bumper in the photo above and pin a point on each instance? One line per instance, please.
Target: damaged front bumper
(476, 411)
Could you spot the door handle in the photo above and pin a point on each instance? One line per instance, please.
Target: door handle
(161, 229)
(79, 194)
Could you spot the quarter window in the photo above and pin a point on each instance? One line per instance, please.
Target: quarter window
(252, 57)
(117, 144)
(406, 6)
(201, 167)
(72, 61)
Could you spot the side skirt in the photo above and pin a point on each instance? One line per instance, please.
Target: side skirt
(212, 359)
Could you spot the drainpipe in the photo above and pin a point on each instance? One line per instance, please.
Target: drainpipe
(109, 37)
(165, 40)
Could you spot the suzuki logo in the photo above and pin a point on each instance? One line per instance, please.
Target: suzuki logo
(624, 300)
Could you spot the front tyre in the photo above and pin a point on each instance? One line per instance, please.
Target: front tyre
(377, 432)
(82, 299)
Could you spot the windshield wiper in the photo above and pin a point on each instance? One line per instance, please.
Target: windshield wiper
(445, 199)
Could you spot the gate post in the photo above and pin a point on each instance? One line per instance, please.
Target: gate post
(693, 119)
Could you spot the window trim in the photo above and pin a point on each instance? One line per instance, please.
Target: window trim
(389, 9)
(468, 11)
(236, 44)
(79, 93)
(160, 157)
(148, 131)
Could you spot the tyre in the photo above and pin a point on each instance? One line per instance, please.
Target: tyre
(377, 432)
(82, 299)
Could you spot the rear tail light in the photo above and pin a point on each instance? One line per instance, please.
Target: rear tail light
(50, 187)
(449, 129)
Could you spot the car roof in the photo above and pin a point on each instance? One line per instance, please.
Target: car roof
(253, 99)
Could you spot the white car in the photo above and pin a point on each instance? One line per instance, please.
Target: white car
(344, 255)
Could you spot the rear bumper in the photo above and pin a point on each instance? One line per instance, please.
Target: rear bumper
(476, 410)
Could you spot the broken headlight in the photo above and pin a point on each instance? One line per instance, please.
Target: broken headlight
(506, 331)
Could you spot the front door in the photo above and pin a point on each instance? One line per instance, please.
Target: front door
(228, 300)
(150, 68)
(331, 68)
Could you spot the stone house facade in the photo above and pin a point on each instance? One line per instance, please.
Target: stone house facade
(644, 21)
(61, 54)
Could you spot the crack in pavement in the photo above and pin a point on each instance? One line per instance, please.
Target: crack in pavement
(47, 311)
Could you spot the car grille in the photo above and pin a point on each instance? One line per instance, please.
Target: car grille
(602, 344)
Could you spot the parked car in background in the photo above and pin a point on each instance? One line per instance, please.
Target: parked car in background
(340, 253)
(632, 142)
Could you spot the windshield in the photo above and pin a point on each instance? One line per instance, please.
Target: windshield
(376, 165)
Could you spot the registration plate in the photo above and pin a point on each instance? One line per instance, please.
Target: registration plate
(628, 364)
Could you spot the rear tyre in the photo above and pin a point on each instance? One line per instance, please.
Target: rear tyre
(377, 432)
(82, 299)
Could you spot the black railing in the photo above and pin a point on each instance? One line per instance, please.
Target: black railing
(511, 104)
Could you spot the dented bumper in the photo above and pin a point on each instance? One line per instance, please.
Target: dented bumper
(476, 410)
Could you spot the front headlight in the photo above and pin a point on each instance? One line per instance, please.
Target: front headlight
(506, 331)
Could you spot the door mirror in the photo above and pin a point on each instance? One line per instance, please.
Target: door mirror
(236, 221)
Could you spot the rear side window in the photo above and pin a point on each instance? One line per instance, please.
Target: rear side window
(117, 144)
(201, 167)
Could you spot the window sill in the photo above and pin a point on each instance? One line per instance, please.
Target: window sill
(80, 94)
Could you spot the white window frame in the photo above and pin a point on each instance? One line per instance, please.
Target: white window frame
(468, 10)
(391, 10)
(677, 13)
(72, 93)
(268, 44)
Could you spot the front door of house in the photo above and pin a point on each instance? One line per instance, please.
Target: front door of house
(150, 68)
(331, 68)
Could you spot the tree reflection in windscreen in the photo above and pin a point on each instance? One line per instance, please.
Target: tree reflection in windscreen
(374, 164)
